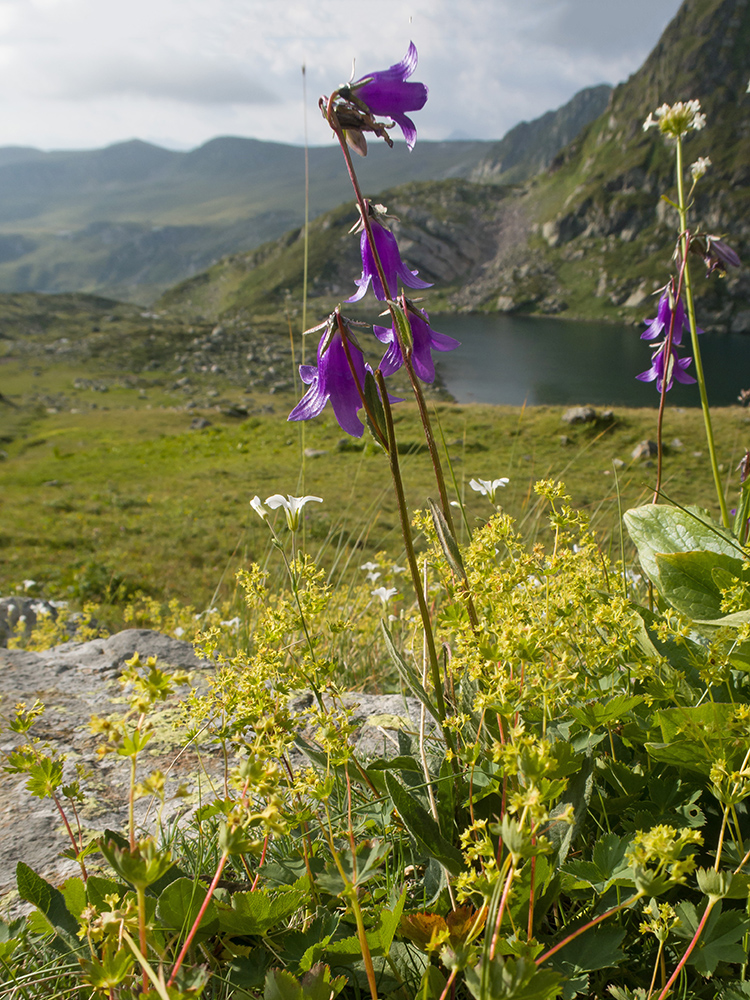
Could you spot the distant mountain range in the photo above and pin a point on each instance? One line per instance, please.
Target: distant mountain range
(130, 220)
(591, 236)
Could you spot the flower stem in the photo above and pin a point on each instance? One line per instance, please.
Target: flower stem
(699, 930)
(398, 485)
(682, 208)
(197, 921)
(588, 926)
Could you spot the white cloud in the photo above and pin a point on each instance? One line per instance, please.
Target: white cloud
(90, 72)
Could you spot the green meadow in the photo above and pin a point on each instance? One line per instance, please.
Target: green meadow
(107, 491)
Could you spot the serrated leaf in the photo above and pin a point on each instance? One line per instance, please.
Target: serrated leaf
(720, 940)
(180, 903)
(257, 912)
(423, 827)
(511, 979)
(49, 901)
(601, 713)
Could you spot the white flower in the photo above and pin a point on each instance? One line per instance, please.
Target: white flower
(372, 576)
(369, 566)
(28, 584)
(179, 631)
(488, 487)
(292, 507)
(398, 569)
(385, 593)
(258, 507)
(699, 168)
(676, 119)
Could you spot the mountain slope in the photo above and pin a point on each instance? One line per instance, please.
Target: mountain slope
(590, 238)
(130, 220)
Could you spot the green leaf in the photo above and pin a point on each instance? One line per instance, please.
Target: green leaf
(447, 541)
(511, 979)
(578, 795)
(423, 827)
(721, 939)
(687, 580)
(601, 713)
(257, 912)
(657, 528)
(180, 903)
(74, 894)
(409, 675)
(315, 985)
(598, 948)
(374, 413)
(50, 902)
(608, 866)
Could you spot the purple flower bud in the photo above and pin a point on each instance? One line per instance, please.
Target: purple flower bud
(387, 93)
(425, 341)
(393, 267)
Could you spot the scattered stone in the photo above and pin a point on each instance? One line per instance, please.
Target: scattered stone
(697, 454)
(565, 440)
(676, 444)
(644, 449)
(607, 416)
(505, 304)
(579, 415)
(315, 452)
(199, 423)
(238, 412)
(618, 463)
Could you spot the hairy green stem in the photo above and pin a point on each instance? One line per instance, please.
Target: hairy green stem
(411, 558)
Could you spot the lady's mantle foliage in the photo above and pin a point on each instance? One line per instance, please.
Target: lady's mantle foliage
(425, 341)
(390, 259)
(387, 93)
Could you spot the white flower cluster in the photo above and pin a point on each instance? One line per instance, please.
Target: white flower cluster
(676, 120)
(699, 168)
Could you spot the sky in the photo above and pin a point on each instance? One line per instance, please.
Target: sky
(82, 74)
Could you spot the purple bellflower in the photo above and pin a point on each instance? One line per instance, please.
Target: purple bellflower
(393, 267)
(659, 325)
(387, 93)
(666, 365)
(426, 340)
(332, 380)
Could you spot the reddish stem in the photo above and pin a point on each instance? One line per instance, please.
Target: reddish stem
(197, 921)
(588, 926)
(693, 943)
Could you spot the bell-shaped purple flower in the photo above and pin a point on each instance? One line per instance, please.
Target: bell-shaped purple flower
(387, 93)
(393, 267)
(333, 380)
(425, 341)
(667, 365)
(659, 326)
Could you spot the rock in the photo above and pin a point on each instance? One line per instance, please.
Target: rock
(505, 303)
(645, 449)
(76, 680)
(315, 452)
(741, 322)
(579, 415)
(199, 423)
(618, 463)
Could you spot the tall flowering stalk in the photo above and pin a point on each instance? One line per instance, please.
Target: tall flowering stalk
(676, 122)
(341, 376)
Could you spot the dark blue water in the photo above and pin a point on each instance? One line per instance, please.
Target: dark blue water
(512, 360)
